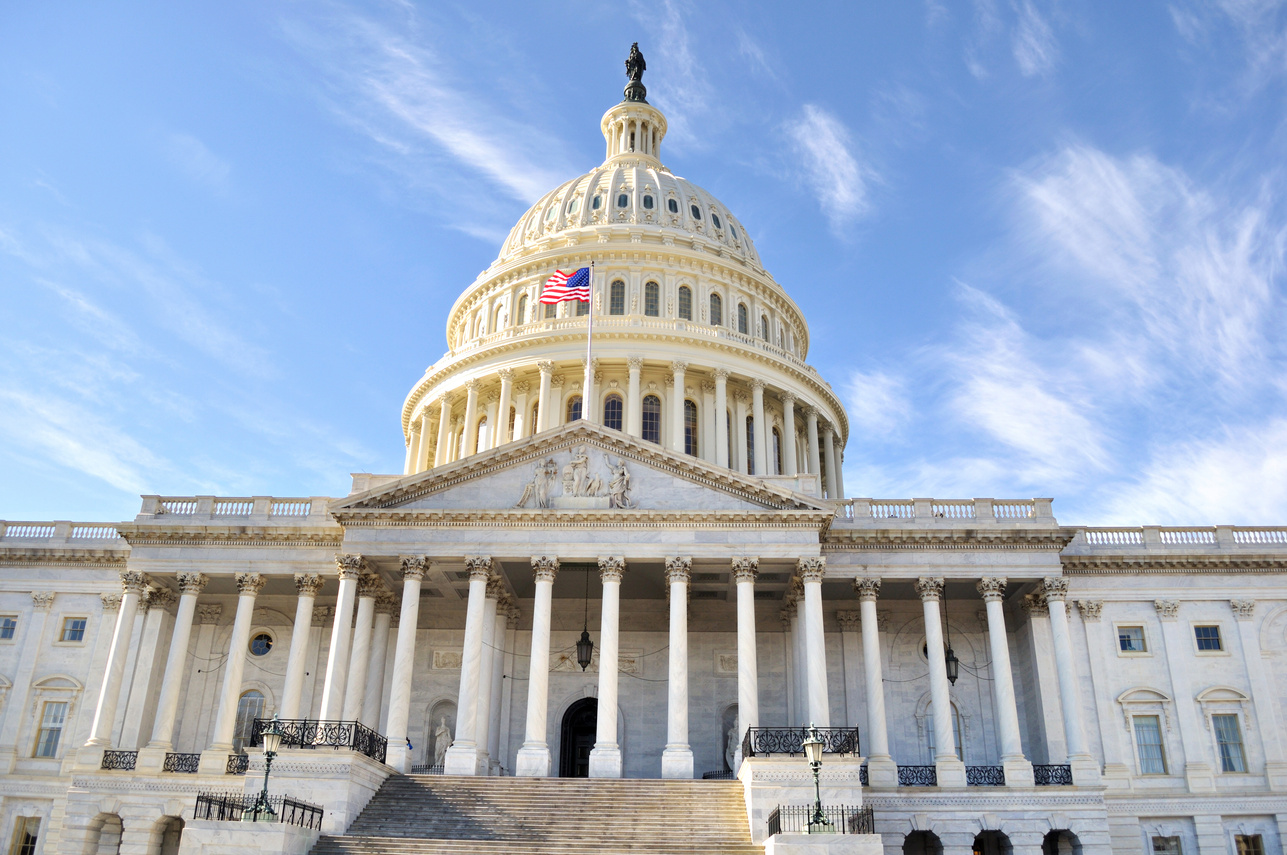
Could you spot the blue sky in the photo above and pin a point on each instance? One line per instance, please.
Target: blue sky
(1040, 244)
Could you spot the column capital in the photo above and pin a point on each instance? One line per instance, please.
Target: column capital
(495, 589)
(349, 565)
(512, 614)
(930, 588)
(708, 385)
(522, 387)
(133, 581)
(811, 412)
(850, 621)
(369, 585)
(209, 613)
(111, 602)
(1243, 609)
(1167, 609)
(757, 384)
(161, 598)
(867, 588)
(811, 569)
(307, 584)
(721, 374)
(479, 566)
(544, 568)
(788, 613)
(386, 603)
(825, 429)
(473, 385)
(611, 568)
(1090, 609)
(545, 366)
(991, 588)
(678, 569)
(745, 568)
(1055, 588)
(414, 567)
(322, 615)
(505, 374)
(558, 380)
(445, 400)
(250, 584)
(634, 363)
(1035, 604)
(678, 365)
(415, 424)
(43, 600)
(787, 399)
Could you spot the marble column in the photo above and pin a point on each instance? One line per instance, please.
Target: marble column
(441, 454)
(544, 403)
(501, 635)
(100, 734)
(677, 757)
(167, 704)
(521, 388)
(215, 758)
(739, 438)
(951, 771)
(1266, 710)
(471, 417)
(337, 659)
(761, 428)
(881, 769)
(413, 449)
(829, 455)
(482, 734)
(1100, 643)
(811, 571)
(1018, 769)
(634, 397)
(789, 615)
(307, 584)
(404, 663)
(677, 410)
(369, 587)
(422, 453)
(534, 755)
(605, 757)
(788, 436)
(745, 571)
(721, 418)
(1085, 768)
(373, 699)
(707, 444)
(811, 436)
(462, 756)
(501, 431)
(840, 473)
(156, 603)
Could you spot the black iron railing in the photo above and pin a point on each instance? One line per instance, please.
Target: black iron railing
(237, 764)
(721, 775)
(917, 776)
(1052, 775)
(862, 775)
(843, 819)
(188, 763)
(426, 770)
(308, 733)
(790, 740)
(985, 776)
(123, 760)
(238, 807)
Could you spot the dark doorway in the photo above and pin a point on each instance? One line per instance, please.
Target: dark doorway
(922, 843)
(579, 725)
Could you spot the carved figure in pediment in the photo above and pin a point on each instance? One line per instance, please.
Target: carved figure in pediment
(538, 489)
(619, 486)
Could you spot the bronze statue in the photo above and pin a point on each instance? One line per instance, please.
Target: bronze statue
(635, 65)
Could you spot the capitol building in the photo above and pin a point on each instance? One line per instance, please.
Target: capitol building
(984, 679)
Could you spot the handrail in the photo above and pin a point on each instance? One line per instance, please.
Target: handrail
(790, 740)
(239, 807)
(312, 733)
(840, 819)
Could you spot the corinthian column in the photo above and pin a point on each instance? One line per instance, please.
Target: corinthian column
(307, 584)
(811, 434)
(1084, 768)
(544, 405)
(721, 417)
(501, 432)
(462, 756)
(634, 398)
(215, 758)
(471, 417)
(404, 663)
(1018, 770)
(100, 733)
(788, 435)
(369, 587)
(829, 450)
(167, 704)
(811, 571)
(761, 431)
(534, 756)
(422, 452)
(337, 658)
(483, 717)
(440, 456)
(413, 448)
(881, 770)
(605, 757)
(677, 757)
(677, 411)
(951, 771)
(745, 571)
(373, 701)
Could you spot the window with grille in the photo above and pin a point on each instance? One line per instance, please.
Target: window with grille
(717, 310)
(513, 420)
(250, 706)
(612, 412)
(483, 438)
(521, 317)
(1249, 844)
(652, 418)
(690, 428)
(26, 830)
(551, 310)
(1167, 846)
(8, 627)
(1148, 741)
(750, 445)
(742, 320)
(73, 629)
(956, 731)
(52, 718)
(1130, 639)
(764, 327)
(1208, 638)
(574, 408)
(686, 302)
(1229, 742)
(582, 307)
(652, 299)
(261, 644)
(536, 411)
(617, 298)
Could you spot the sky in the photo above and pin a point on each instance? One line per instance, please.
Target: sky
(1039, 243)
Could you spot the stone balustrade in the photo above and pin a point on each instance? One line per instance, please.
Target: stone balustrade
(61, 533)
(1152, 538)
(278, 510)
(971, 512)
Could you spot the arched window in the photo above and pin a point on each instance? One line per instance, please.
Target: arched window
(750, 446)
(652, 418)
(715, 220)
(551, 310)
(623, 201)
(652, 299)
(582, 307)
(956, 731)
(764, 327)
(513, 420)
(696, 212)
(777, 452)
(612, 412)
(672, 205)
(717, 310)
(249, 707)
(617, 298)
(596, 203)
(497, 318)
(521, 316)
(742, 320)
(574, 408)
(647, 202)
(690, 428)
(572, 205)
(483, 439)
(536, 411)
(686, 302)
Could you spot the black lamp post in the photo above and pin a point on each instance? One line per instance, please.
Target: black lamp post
(953, 664)
(585, 647)
(272, 741)
(813, 745)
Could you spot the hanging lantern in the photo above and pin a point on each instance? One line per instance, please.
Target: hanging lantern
(584, 649)
(953, 666)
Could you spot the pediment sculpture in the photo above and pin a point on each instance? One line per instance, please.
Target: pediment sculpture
(575, 485)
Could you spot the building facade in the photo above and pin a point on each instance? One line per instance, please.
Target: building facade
(679, 498)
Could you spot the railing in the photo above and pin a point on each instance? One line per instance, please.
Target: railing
(1220, 537)
(790, 740)
(721, 775)
(29, 530)
(186, 763)
(985, 776)
(898, 510)
(227, 506)
(1260, 536)
(1052, 775)
(424, 769)
(239, 807)
(179, 506)
(308, 733)
(917, 776)
(969, 511)
(233, 507)
(122, 760)
(1115, 537)
(64, 531)
(1187, 536)
(862, 775)
(959, 509)
(841, 819)
(1014, 510)
(237, 764)
(291, 508)
(93, 531)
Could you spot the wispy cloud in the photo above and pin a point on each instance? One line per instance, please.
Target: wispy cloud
(831, 165)
(877, 402)
(1260, 24)
(1034, 45)
(195, 160)
(678, 79)
(1032, 40)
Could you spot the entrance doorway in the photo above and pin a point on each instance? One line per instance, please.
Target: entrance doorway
(579, 725)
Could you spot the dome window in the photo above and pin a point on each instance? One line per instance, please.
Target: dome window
(672, 206)
(574, 408)
(764, 327)
(582, 307)
(697, 212)
(617, 298)
(652, 419)
(522, 309)
(686, 302)
(623, 201)
(572, 205)
(717, 310)
(551, 213)
(647, 202)
(596, 202)
(732, 232)
(652, 299)
(612, 412)
(715, 220)
(742, 321)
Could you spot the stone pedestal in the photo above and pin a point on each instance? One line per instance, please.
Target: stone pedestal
(208, 837)
(533, 761)
(951, 772)
(771, 781)
(882, 772)
(606, 763)
(824, 844)
(677, 761)
(1018, 773)
(1085, 773)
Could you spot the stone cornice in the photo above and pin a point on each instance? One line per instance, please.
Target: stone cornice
(151, 534)
(553, 518)
(839, 538)
(63, 556)
(1178, 563)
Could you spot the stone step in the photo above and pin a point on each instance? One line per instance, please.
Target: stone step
(393, 846)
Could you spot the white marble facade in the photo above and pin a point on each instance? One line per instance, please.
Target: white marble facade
(714, 555)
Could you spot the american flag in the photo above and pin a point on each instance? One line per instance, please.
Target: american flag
(567, 286)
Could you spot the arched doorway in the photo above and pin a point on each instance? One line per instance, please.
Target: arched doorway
(922, 843)
(992, 843)
(579, 725)
(1061, 842)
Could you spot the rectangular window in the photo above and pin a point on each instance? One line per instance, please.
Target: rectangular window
(551, 310)
(1148, 739)
(1249, 844)
(8, 627)
(1131, 639)
(73, 629)
(1166, 846)
(25, 835)
(582, 307)
(51, 728)
(1229, 740)
(1208, 638)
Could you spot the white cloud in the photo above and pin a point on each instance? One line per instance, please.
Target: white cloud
(197, 161)
(1034, 45)
(676, 77)
(877, 403)
(1261, 24)
(832, 169)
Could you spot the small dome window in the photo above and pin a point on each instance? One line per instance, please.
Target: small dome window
(715, 220)
(572, 205)
(596, 203)
(732, 232)
(647, 202)
(672, 206)
(549, 215)
(261, 644)
(623, 201)
(697, 212)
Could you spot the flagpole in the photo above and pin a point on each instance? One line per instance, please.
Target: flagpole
(587, 407)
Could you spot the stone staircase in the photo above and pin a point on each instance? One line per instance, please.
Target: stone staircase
(438, 815)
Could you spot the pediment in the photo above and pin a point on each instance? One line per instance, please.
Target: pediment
(578, 468)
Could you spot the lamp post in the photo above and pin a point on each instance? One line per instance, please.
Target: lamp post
(272, 741)
(813, 750)
(585, 647)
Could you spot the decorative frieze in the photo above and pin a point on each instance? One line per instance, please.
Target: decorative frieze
(1090, 609)
(1167, 609)
(43, 600)
(1243, 609)
(208, 614)
(929, 588)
